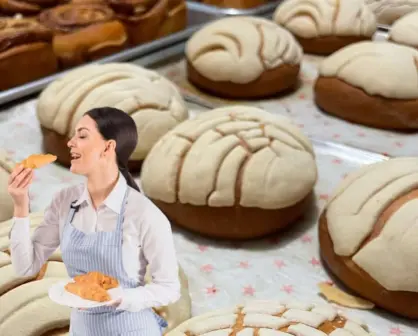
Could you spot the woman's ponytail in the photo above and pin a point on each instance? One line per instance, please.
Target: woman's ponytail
(129, 179)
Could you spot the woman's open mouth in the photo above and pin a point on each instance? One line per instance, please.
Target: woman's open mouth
(75, 156)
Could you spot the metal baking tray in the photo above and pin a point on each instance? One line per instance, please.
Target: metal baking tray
(196, 19)
(222, 11)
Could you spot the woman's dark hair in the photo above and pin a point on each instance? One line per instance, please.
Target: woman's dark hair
(114, 124)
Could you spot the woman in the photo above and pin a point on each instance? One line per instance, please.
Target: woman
(104, 225)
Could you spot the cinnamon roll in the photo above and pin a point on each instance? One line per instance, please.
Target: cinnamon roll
(27, 7)
(175, 18)
(84, 32)
(26, 52)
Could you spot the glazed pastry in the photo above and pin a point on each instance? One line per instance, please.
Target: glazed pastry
(370, 221)
(324, 26)
(175, 18)
(388, 11)
(404, 30)
(269, 318)
(104, 281)
(26, 7)
(143, 20)
(243, 57)
(38, 160)
(6, 203)
(88, 291)
(26, 52)
(84, 32)
(351, 72)
(228, 168)
(154, 103)
(26, 308)
(241, 4)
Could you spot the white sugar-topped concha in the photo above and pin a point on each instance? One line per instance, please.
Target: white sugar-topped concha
(269, 318)
(387, 11)
(235, 155)
(318, 18)
(6, 202)
(241, 49)
(153, 101)
(355, 208)
(404, 30)
(379, 68)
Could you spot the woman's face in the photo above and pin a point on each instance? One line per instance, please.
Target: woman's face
(86, 147)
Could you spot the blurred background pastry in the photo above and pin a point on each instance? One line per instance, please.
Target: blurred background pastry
(324, 26)
(26, 52)
(388, 11)
(236, 172)
(371, 83)
(404, 30)
(84, 32)
(369, 235)
(243, 57)
(6, 203)
(27, 7)
(154, 103)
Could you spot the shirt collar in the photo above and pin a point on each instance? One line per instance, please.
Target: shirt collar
(113, 201)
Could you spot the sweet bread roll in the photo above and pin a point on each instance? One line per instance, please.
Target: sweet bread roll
(404, 30)
(104, 281)
(84, 32)
(36, 161)
(324, 26)
(26, 7)
(369, 236)
(175, 18)
(26, 52)
(243, 57)
(154, 103)
(144, 20)
(388, 11)
(371, 83)
(6, 202)
(268, 318)
(88, 291)
(227, 169)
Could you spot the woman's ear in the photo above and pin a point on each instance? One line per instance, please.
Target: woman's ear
(110, 146)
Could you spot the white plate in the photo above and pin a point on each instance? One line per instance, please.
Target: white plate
(60, 295)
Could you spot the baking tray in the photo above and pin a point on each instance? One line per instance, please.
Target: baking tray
(196, 19)
(222, 11)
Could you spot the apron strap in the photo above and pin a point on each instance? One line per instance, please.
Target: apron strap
(121, 216)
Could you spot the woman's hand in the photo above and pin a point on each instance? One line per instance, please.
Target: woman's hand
(18, 186)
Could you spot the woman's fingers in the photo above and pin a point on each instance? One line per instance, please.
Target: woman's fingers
(21, 177)
(26, 180)
(16, 171)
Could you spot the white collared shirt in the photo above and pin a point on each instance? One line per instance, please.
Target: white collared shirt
(147, 239)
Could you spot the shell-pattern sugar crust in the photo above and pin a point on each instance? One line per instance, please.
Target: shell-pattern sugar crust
(241, 49)
(361, 63)
(355, 208)
(151, 100)
(318, 18)
(388, 11)
(6, 202)
(404, 30)
(236, 155)
(270, 318)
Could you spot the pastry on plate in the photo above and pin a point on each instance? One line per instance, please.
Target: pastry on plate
(84, 32)
(388, 11)
(371, 83)
(6, 203)
(88, 291)
(104, 281)
(147, 20)
(324, 26)
(268, 318)
(153, 101)
(26, 52)
(368, 234)
(243, 57)
(404, 30)
(35, 161)
(236, 172)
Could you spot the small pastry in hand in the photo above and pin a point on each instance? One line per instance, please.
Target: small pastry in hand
(84, 32)
(88, 291)
(324, 26)
(38, 160)
(26, 52)
(98, 278)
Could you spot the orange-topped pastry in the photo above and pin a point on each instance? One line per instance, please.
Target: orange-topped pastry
(38, 160)
(104, 281)
(88, 290)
